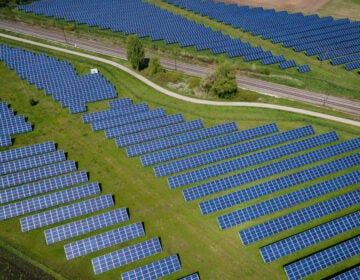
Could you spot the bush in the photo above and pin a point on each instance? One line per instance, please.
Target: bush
(135, 53)
(155, 66)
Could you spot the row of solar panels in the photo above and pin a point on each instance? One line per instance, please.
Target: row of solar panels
(53, 189)
(312, 34)
(227, 152)
(58, 78)
(11, 124)
(147, 20)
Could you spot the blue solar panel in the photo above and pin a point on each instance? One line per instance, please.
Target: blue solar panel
(285, 201)
(43, 186)
(37, 174)
(126, 255)
(299, 217)
(31, 162)
(266, 188)
(157, 133)
(204, 145)
(86, 225)
(119, 103)
(270, 169)
(180, 139)
(323, 259)
(144, 125)
(42, 202)
(351, 274)
(27, 151)
(114, 112)
(310, 237)
(154, 270)
(123, 120)
(66, 212)
(5, 141)
(250, 160)
(103, 240)
(231, 151)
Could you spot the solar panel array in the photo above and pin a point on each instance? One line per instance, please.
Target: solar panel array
(42, 202)
(11, 124)
(281, 183)
(288, 200)
(270, 169)
(309, 33)
(225, 153)
(43, 186)
(154, 270)
(296, 218)
(148, 20)
(236, 150)
(57, 78)
(194, 276)
(22, 163)
(74, 229)
(103, 240)
(126, 255)
(181, 139)
(309, 237)
(207, 144)
(66, 212)
(323, 259)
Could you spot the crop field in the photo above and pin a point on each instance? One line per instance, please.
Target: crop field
(197, 239)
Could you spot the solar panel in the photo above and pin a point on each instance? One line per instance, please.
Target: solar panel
(268, 187)
(157, 133)
(127, 119)
(227, 139)
(114, 113)
(323, 259)
(66, 212)
(103, 240)
(231, 151)
(351, 274)
(299, 217)
(310, 237)
(180, 139)
(42, 202)
(126, 255)
(290, 199)
(5, 141)
(122, 102)
(28, 176)
(31, 162)
(27, 151)
(43, 186)
(86, 225)
(154, 270)
(254, 159)
(144, 125)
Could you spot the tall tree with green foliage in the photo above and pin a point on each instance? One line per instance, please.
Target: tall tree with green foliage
(155, 65)
(221, 83)
(135, 53)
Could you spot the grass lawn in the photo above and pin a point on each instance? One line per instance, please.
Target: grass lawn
(198, 241)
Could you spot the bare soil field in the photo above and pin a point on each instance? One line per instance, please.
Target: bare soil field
(305, 6)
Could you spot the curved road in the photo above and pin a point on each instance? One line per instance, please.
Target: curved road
(341, 104)
(181, 97)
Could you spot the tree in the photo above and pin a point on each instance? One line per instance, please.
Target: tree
(155, 65)
(135, 52)
(221, 83)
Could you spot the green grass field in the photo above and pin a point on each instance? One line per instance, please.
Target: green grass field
(197, 239)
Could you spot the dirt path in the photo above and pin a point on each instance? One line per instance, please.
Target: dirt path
(305, 6)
